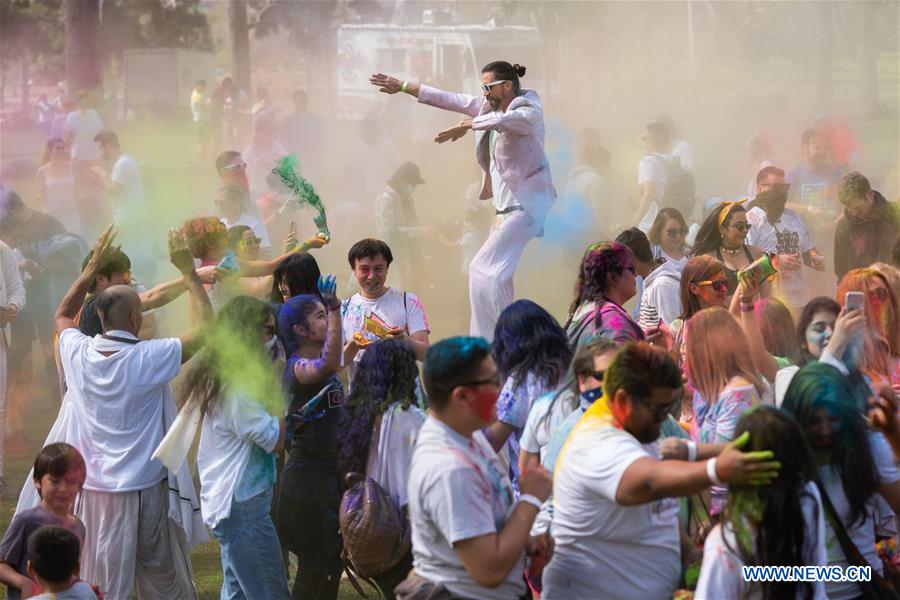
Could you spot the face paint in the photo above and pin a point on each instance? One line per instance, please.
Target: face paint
(484, 405)
(816, 340)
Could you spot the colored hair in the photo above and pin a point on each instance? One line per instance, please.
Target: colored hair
(777, 327)
(295, 311)
(820, 386)
(503, 70)
(234, 356)
(638, 368)
(709, 238)
(369, 248)
(698, 268)
(777, 532)
(450, 363)
(881, 342)
(656, 230)
(816, 305)
(528, 340)
(54, 553)
(58, 459)
(203, 234)
(385, 374)
(721, 354)
(600, 264)
(300, 272)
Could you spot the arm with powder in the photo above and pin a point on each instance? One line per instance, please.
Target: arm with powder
(180, 256)
(71, 304)
(329, 362)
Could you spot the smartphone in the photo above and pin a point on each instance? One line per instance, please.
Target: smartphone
(854, 301)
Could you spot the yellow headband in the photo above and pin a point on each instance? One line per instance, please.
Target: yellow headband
(726, 210)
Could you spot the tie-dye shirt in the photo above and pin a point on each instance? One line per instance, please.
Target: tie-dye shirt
(716, 423)
(603, 319)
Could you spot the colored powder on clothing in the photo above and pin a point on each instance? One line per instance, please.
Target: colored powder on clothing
(303, 190)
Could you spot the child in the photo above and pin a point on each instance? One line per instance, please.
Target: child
(53, 561)
(59, 473)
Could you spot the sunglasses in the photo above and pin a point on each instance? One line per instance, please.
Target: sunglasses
(679, 232)
(742, 227)
(719, 285)
(598, 375)
(486, 87)
(660, 412)
(254, 241)
(236, 166)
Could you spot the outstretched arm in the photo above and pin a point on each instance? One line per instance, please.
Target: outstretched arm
(180, 255)
(461, 103)
(261, 268)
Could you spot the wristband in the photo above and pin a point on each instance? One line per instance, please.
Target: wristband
(404, 86)
(711, 472)
(692, 450)
(532, 500)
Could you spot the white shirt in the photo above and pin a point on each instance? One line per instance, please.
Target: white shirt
(862, 532)
(130, 198)
(458, 490)
(236, 441)
(255, 225)
(12, 290)
(720, 574)
(788, 236)
(389, 308)
(661, 298)
(653, 168)
(117, 403)
(604, 549)
(390, 464)
(678, 263)
(685, 154)
(84, 127)
(503, 197)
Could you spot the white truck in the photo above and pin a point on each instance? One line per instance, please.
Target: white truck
(446, 56)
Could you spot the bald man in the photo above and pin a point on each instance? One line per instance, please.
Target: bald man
(120, 403)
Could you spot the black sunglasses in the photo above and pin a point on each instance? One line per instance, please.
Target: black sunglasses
(660, 412)
(598, 375)
(676, 232)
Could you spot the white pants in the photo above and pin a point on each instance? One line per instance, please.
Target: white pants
(493, 269)
(131, 546)
(2, 401)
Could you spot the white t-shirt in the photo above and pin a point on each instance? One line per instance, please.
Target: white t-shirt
(604, 549)
(678, 263)
(685, 154)
(84, 127)
(389, 308)
(661, 298)
(390, 464)
(458, 490)
(788, 236)
(503, 196)
(117, 404)
(720, 574)
(255, 225)
(655, 168)
(130, 199)
(236, 442)
(862, 533)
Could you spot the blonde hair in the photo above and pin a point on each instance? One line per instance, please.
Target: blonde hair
(716, 350)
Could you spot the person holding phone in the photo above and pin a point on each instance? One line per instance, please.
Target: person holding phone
(509, 135)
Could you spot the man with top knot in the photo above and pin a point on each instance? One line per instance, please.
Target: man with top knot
(509, 136)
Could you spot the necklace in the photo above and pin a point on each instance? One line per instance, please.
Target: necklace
(731, 251)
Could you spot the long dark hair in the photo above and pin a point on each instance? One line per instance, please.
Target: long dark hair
(385, 374)
(776, 510)
(709, 238)
(777, 327)
(820, 386)
(234, 356)
(527, 339)
(503, 70)
(601, 265)
(300, 272)
(818, 304)
(664, 214)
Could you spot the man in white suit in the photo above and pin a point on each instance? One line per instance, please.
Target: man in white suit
(12, 300)
(509, 134)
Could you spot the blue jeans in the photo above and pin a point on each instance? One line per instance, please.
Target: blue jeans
(251, 553)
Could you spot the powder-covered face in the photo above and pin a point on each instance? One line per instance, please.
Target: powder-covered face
(819, 332)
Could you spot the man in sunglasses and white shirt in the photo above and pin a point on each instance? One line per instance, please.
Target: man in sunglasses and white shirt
(509, 136)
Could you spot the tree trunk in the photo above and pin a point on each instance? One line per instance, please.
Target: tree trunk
(83, 68)
(240, 43)
(868, 63)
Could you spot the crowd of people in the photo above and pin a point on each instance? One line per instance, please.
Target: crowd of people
(695, 410)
